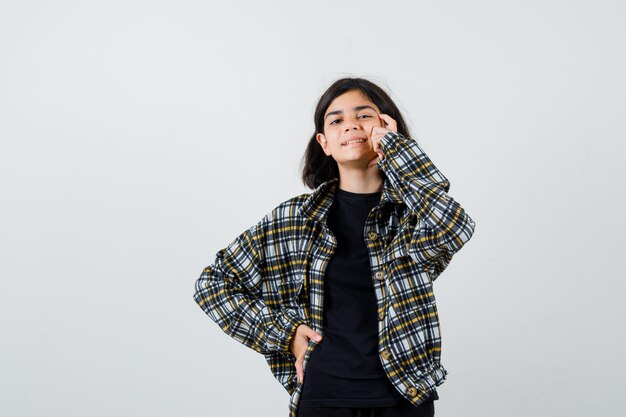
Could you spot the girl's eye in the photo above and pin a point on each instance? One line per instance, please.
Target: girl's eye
(336, 120)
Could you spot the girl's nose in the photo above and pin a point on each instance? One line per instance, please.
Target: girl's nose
(352, 124)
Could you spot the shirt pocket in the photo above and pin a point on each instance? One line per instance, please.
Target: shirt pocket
(293, 295)
(408, 281)
(397, 248)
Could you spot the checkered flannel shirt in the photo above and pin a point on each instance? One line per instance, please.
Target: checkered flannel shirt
(270, 278)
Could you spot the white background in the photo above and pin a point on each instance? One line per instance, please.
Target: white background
(139, 137)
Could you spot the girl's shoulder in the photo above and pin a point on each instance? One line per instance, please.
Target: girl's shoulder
(288, 209)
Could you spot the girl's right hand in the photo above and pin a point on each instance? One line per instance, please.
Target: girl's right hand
(299, 344)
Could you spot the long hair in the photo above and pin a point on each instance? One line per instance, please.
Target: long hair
(317, 166)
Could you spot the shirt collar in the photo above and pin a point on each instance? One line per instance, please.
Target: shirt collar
(316, 206)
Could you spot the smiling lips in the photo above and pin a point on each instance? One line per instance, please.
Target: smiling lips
(353, 141)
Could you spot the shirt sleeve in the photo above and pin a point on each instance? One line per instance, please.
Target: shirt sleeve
(443, 226)
(229, 291)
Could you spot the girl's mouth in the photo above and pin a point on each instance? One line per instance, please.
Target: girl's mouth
(354, 142)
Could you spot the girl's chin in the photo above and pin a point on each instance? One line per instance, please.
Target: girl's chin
(360, 159)
(357, 151)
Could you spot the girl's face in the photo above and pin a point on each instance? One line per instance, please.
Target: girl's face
(350, 116)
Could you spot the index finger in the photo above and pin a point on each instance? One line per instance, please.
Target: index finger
(389, 121)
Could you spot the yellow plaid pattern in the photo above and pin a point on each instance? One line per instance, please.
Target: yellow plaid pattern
(269, 279)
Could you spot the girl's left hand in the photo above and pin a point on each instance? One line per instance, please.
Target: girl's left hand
(377, 134)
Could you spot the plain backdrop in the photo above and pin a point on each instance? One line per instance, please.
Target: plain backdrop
(137, 138)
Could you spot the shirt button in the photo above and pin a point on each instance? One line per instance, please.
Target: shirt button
(386, 354)
(372, 235)
(411, 391)
(380, 275)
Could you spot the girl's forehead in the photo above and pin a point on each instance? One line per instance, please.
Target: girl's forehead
(351, 101)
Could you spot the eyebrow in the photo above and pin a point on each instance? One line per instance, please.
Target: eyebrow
(357, 108)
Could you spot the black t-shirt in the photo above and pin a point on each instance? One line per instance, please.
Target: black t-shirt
(344, 370)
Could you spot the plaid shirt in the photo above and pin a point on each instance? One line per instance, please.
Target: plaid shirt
(270, 278)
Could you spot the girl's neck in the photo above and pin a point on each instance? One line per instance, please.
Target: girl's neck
(361, 181)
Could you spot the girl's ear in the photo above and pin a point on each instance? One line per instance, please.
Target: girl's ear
(321, 139)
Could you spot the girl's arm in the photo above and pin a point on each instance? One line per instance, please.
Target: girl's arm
(230, 293)
(443, 225)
